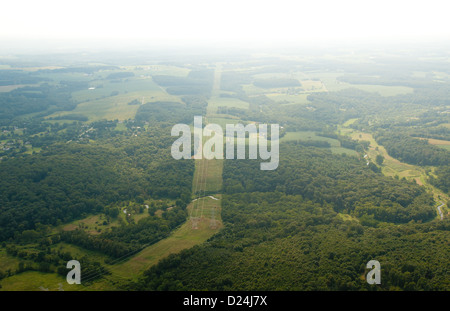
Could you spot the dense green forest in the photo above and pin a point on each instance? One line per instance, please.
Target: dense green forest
(86, 172)
(59, 184)
(285, 231)
(443, 178)
(412, 150)
(125, 240)
(44, 98)
(342, 181)
(275, 241)
(198, 82)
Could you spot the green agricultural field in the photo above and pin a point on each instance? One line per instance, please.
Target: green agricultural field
(183, 238)
(116, 107)
(7, 262)
(299, 99)
(168, 70)
(308, 135)
(9, 88)
(224, 121)
(35, 281)
(445, 144)
(120, 127)
(78, 252)
(216, 102)
(252, 90)
(332, 84)
(104, 88)
(341, 150)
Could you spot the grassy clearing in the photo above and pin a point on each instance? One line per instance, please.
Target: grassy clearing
(313, 86)
(92, 224)
(104, 88)
(183, 238)
(79, 252)
(109, 100)
(9, 88)
(332, 84)
(349, 122)
(121, 127)
(299, 99)
(116, 107)
(252, 90)
(393, 167)
(35, 281)
(217, 102)
(445, 144)
(309, 135)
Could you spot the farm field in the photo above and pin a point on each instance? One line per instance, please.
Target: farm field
(116, 107)
(445, 144)
(332, 84)
(217, 102)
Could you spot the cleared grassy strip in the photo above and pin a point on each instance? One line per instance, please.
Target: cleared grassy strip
(341, 150)
(7, 262)
(299, 99)
(335, 145)
(9, 88)
(224, 121)
(183, 238)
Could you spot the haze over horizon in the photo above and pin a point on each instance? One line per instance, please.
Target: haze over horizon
(85, 23)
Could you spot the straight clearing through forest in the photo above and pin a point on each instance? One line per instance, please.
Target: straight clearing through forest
(182, 238)
(203, 221)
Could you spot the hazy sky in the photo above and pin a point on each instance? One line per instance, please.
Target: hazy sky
(231, 20)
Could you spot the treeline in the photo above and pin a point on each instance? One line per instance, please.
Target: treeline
(128, 239)
(72, 116)
(79, 69)
(442, 179)
(346, 142)
(18, 77)
(412, 150)
(120, 75)
(44, 98)
(197, 82)
(342, 181)
(173, 112)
